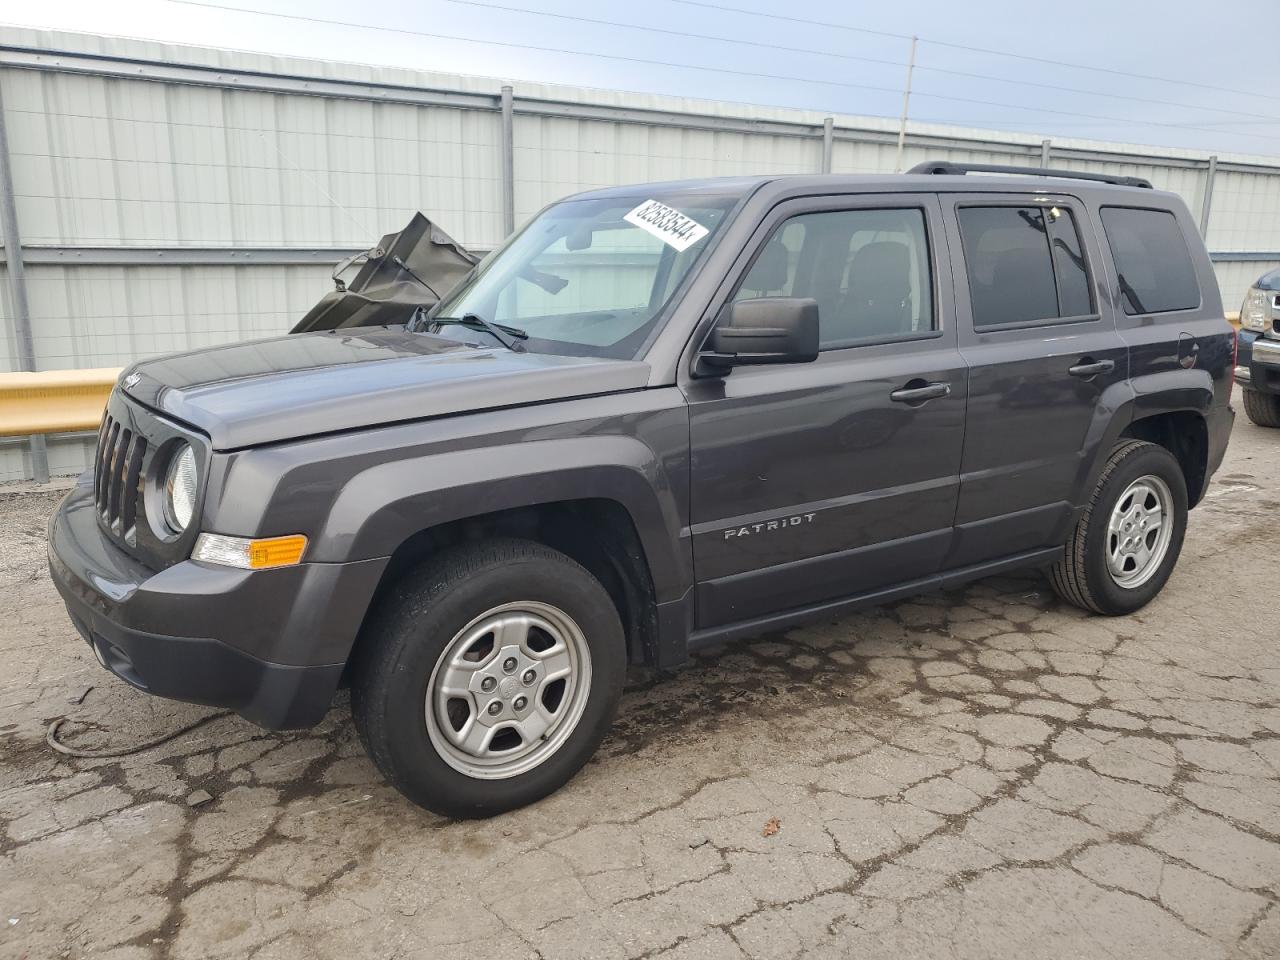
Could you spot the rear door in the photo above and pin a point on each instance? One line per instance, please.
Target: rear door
(822, 480)
(1046, 366)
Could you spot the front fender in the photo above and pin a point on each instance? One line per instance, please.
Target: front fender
(383, 505)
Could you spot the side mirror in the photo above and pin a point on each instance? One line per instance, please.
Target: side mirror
(766, 330)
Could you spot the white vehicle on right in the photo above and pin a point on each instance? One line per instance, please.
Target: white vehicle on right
(1258, 358)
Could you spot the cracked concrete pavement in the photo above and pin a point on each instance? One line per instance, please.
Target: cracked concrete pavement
(971, 774)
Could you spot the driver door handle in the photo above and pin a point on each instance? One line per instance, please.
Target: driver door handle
(1088, 367)
(913, 393)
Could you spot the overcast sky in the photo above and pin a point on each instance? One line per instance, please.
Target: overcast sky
(1224, 52)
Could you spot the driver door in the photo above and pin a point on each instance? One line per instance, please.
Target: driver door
(816, 482)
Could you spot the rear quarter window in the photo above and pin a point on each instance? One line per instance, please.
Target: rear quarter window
(1152, 261)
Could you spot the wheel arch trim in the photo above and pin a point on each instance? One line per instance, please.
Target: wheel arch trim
(385, 505)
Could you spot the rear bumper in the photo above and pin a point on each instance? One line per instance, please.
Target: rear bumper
(1219, 435)
(270, 645)
(1258, 363)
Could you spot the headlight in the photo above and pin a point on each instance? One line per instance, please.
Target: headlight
(180, 489)
(1255, 313)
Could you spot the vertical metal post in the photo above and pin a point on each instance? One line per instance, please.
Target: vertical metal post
(828, 140)
(508, 164)
(1207, 203)
(1044, 152)
(20, 306)
(906, 102)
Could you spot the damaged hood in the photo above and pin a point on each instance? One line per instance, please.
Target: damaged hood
(287, 388)
(384, 292)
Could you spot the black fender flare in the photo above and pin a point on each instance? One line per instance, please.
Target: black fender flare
(383, 505)
(1149, 395)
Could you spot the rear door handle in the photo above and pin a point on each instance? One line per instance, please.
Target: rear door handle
(1088, 367)
(917, 391)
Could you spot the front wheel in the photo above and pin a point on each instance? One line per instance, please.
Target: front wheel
(1262, 408)
(1124, 547)
(488, 677)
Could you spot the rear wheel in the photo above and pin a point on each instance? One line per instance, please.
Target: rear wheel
(488, 677)
(1126, 544)
(1262, 408)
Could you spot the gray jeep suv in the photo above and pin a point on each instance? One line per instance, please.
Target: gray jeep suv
(659, 417)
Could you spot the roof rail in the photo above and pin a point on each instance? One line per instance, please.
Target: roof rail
(946, 168)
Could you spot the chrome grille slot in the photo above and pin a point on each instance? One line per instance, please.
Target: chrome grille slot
(115, 478)
(117, 474)
(103, 432)
(106, 455)
(132, 488)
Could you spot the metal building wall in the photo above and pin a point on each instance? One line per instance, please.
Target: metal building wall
(172, 197)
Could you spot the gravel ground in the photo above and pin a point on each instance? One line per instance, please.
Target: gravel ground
(972, 774)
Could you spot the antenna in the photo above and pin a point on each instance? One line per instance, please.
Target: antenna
(364, 230)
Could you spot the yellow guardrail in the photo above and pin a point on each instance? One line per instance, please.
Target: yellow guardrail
(54, 401)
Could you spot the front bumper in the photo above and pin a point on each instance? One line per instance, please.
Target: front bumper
(1258, 362)
(271, 644)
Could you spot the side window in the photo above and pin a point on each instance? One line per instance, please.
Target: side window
(1025, 265)
(1074, 298)
(774, 272)
(1152, 261)
(868, 269)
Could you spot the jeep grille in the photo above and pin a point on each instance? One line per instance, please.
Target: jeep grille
(117, 474)
(125, 470)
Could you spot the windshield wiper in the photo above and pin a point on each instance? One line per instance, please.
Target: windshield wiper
(494, 330)
(509, 337)
(1131, 295)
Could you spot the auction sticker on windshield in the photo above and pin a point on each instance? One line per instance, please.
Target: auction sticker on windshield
(667, 224)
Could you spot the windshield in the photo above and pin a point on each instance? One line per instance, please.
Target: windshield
(589, 277)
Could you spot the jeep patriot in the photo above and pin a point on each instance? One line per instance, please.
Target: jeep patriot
(658, 417)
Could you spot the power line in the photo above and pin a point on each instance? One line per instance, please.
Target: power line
(691, 66)
(961, 46)
(676, 33)
(812, 23)
(529, 46)
(853, 57)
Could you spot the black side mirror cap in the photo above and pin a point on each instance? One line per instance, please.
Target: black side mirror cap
(764, 330)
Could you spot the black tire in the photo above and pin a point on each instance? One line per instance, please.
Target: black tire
(411, 629)
(1081, 576)
(1262, 408)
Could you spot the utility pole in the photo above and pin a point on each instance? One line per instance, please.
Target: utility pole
(506, 102)
(906, 102)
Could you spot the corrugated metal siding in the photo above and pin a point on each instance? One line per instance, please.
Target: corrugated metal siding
(557, 156)
(113, 161)
(69, 456)
(104, 161)
(880, 157)
(1246, 212)
(1187, 182)
(108, 316)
